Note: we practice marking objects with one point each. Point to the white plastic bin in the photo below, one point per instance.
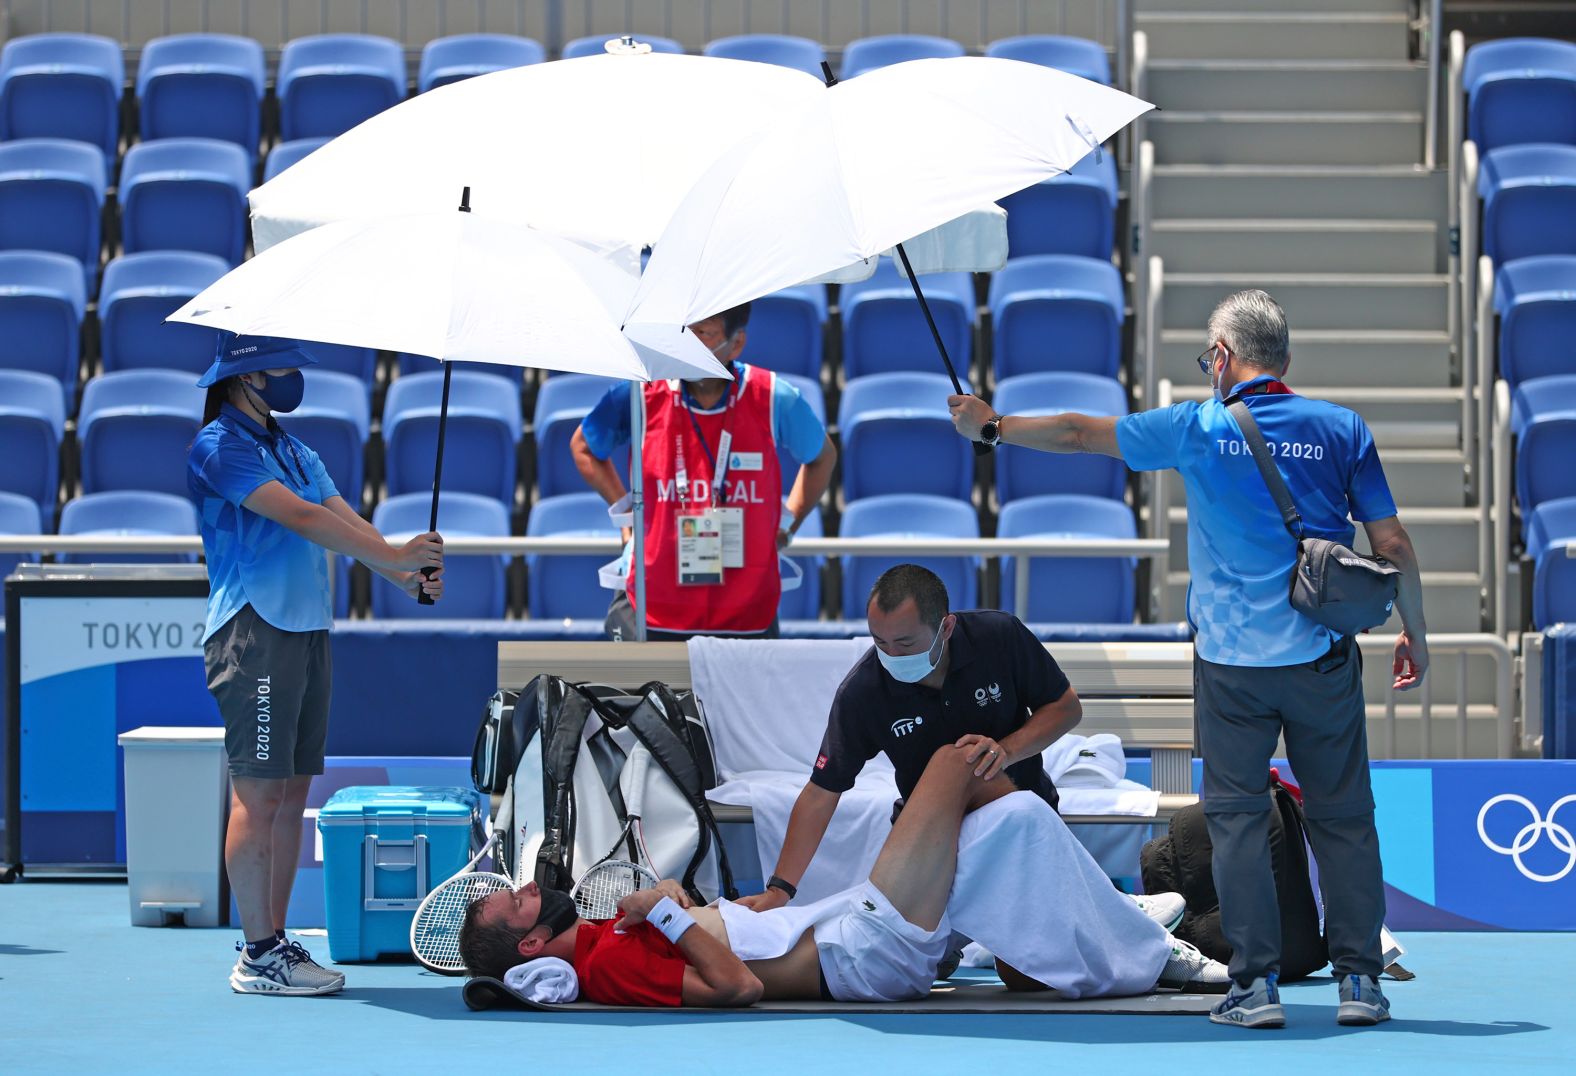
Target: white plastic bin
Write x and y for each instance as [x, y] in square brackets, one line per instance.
[177, 801]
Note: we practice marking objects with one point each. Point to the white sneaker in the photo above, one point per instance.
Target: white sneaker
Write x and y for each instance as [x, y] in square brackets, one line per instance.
[1192, 971]
[287, 970]
[1164, 908]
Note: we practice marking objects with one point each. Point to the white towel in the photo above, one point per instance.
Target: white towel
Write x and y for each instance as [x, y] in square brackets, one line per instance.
[546, 980]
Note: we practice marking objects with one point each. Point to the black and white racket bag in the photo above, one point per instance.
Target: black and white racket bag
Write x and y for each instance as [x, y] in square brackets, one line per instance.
[564, 747]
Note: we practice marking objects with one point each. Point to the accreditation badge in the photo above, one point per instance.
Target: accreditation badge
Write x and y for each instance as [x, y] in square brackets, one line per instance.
[732, 536]
[700, 548]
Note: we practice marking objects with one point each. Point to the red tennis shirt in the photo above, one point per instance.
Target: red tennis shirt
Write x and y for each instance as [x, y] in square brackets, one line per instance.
[636, 967]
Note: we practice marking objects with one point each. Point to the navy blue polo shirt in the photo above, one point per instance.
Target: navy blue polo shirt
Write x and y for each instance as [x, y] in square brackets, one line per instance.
[997, 675]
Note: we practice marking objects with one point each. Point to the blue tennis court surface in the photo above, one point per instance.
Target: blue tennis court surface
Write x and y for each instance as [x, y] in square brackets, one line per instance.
[80, 990]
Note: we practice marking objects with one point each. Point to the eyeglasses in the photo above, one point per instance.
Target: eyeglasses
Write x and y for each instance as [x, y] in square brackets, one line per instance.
[1205, 359]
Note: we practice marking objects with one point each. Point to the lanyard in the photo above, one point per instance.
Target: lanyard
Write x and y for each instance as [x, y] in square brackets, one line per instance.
[273, 449]
[719, 471]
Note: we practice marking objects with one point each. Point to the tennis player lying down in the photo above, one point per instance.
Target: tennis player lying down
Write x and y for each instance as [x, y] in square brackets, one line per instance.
[1010, 874]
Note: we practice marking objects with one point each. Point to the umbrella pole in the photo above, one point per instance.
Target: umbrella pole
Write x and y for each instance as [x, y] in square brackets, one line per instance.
[422, 597]
[935, 334]
[637, 503]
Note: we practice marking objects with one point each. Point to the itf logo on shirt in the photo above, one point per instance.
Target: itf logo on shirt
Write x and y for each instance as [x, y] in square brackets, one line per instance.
[905, 725]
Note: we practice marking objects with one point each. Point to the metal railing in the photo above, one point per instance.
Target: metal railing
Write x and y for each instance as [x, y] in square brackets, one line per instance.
[1160, 527]
[1477, 406]
[553, 22]
[1453, 120]
[1431, 22]
[1021, 550]
[1460, 645]
[1502, 498]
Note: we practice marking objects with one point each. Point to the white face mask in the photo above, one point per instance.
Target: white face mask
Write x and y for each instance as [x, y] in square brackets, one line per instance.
[912, 668]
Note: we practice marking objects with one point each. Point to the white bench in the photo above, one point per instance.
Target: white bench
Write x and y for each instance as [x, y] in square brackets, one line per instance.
[1142, 692]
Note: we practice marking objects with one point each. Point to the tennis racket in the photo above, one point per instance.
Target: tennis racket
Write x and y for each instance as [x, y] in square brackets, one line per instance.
[611, 879]
[435, 931]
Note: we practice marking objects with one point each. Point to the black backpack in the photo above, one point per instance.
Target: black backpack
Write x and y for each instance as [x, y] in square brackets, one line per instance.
[1180, 863]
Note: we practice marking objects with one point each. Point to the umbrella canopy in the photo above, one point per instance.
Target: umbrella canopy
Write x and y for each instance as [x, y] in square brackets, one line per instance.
[455, 287]
[872, 163]
[598, 146]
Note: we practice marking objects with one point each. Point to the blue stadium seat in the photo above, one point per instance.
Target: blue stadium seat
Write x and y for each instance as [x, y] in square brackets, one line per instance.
[42, 301]
[32, 423]
[1022, 472]
[335, 418]
[185, 194]
[561, 403]
[804, 602]
[129, 512]
[783, 50]
[463, 56]
[898, 438]
[1092, 590]
[1543, 421]
[473, 587]
[884, 329]
[483, 436]
[1535, 299]
[63, 86]
[1070, 213]
[868, 53]
[811, 391]
[1075, 55]
[357, 362]
[285, 154]
[567, 586]
[909, 516]
[1529, 201]
[1550, 529]
[1519, 90]
[135, 429]
[1056, 312]
[787, 331]
[18, 515]
[329, 83]
[201, 86]
[139, 292]
[52, 198]
[596, 45]
[424, 364]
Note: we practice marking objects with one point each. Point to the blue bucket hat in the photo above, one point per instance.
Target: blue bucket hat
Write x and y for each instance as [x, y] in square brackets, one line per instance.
[249, 354]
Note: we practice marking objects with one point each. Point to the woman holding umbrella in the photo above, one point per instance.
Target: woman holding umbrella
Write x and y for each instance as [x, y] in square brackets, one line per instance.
[269, 512]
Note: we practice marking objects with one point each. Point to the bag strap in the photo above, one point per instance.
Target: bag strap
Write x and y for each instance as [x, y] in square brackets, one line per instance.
[560, 748]
[1290, 517]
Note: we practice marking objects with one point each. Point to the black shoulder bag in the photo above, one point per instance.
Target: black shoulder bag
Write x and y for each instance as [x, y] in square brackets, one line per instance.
[1332, 585]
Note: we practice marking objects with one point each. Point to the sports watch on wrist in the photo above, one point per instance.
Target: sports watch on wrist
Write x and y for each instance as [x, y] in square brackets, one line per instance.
[990, 431]
[785, 886]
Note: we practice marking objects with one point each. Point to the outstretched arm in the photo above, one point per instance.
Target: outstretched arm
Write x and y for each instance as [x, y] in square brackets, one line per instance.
[812, 813]
[1070, 432]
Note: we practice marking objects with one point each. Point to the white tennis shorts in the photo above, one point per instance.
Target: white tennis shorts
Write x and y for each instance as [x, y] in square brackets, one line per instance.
[871, 953]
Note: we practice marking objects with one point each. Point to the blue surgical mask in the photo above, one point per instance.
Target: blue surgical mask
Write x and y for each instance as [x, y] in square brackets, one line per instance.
[912, 668]
[283, 392]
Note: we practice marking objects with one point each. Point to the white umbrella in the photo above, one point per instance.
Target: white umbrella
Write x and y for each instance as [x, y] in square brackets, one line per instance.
[872, 163]
[455, 287]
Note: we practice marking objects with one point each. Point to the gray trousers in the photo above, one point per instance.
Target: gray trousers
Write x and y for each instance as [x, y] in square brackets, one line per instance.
[1318, 708]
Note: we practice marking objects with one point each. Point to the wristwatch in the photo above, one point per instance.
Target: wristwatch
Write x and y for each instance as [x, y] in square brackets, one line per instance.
[787, 887]
[990, 431]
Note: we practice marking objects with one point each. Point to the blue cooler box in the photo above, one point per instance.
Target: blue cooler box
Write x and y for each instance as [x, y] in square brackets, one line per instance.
[385, 847]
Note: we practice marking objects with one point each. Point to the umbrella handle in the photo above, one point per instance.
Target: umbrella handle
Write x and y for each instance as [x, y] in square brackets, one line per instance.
[422, 597]
[980, 449]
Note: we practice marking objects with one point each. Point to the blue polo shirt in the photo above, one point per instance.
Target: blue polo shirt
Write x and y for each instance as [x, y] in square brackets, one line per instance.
[1239, 553]
[794, 424]
[251, 559]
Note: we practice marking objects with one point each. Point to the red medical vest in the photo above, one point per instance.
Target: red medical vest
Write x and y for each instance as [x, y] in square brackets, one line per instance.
[745, 603]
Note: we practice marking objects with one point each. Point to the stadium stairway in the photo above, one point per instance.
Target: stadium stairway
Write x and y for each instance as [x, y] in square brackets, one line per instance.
[1286, 157]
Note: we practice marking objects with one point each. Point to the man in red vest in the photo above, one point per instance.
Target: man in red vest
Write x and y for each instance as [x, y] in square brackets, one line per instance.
[715, 511]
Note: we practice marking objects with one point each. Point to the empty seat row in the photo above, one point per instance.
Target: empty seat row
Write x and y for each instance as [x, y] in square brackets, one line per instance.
[1520, 89]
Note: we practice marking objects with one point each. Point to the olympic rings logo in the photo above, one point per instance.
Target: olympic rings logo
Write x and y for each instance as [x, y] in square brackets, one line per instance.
[1559, 836]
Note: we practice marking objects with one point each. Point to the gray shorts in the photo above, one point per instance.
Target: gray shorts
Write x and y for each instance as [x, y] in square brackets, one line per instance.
[272, 687]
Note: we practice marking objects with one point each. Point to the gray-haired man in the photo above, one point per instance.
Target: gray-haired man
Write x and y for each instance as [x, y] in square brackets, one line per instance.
[1261, 669]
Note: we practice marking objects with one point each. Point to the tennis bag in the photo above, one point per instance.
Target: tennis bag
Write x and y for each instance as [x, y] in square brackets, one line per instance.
[570, 781]
[1180, 863]
[1333, 584]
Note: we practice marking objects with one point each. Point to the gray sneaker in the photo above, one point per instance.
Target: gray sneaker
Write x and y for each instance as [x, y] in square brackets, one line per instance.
[1192, 971]
[287, 970]
[1164, 908]
[1257, 1005]
[1363, 1004]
